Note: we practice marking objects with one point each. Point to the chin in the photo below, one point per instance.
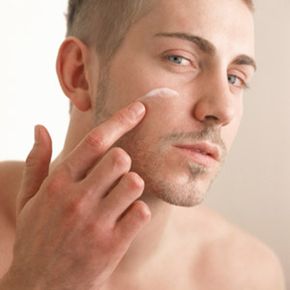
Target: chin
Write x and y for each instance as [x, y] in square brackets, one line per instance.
[183, 199]
[178, 194]
[181, 185]
[176, 183]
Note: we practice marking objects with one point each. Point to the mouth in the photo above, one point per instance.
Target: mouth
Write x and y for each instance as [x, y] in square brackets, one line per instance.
[205, 154]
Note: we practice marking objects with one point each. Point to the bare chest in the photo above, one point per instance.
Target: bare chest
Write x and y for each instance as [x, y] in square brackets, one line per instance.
[177, 272]
[182, 278]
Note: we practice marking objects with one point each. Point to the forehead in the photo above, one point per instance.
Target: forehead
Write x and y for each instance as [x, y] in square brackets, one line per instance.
[227, 24]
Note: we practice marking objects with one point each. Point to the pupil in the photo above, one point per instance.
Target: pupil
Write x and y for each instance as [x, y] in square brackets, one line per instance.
[232, 79]
[176, 59]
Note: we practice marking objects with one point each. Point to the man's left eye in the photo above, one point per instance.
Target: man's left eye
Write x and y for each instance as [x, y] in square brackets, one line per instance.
[177, 59]
[236, 81]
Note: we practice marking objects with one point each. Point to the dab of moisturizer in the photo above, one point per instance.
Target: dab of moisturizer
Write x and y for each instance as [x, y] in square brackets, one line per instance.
[160, 93]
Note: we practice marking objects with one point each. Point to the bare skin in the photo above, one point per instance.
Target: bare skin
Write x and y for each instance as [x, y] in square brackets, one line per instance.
[215, 255]
[95, 218]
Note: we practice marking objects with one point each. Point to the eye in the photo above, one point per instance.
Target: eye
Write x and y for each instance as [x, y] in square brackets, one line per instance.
[237, 81]
[179, 60]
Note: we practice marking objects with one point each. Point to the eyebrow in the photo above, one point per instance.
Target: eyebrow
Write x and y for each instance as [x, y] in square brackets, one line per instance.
[245, 60]
[207, 47]
[203, 44]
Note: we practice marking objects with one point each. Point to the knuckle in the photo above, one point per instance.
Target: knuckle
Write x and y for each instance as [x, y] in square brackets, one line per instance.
[96, 141]
[123, 119]
[120, 158]
[75, 208]
[55, 185]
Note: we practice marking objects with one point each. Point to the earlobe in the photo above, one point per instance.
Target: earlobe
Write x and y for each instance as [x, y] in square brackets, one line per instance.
[73, 72]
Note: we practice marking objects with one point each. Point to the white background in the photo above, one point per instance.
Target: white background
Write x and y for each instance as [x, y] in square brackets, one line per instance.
[31, 32]
[254, 188]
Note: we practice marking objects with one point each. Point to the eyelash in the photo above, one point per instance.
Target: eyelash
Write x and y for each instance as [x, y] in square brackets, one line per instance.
[176, 57]
[244, 85]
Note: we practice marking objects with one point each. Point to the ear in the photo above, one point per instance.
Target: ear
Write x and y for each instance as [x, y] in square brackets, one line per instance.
[73, 72]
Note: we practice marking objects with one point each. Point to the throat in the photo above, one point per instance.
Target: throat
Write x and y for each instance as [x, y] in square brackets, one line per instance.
[153, 242]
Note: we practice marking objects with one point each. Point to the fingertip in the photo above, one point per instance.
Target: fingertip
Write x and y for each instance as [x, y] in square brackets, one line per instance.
[139, 212]
[135, 112]
[137, 108]
[145, 211]
[42, 135]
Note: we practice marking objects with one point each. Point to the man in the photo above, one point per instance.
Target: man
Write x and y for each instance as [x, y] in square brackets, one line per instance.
[120, 206]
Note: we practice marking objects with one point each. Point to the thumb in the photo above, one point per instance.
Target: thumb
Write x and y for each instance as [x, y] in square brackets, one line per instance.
[36, 166]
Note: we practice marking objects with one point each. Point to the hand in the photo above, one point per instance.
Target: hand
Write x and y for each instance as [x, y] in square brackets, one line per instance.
[75, 224]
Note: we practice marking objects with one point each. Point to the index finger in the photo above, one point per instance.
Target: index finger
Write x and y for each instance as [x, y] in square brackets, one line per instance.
[101, 138]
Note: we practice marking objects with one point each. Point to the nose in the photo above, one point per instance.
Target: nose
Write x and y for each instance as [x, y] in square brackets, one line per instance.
[216, 103]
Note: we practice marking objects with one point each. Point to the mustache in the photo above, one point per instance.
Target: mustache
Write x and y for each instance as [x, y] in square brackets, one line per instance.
[208, 134]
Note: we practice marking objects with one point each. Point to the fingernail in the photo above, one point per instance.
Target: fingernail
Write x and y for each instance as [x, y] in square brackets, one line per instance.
[137, 108]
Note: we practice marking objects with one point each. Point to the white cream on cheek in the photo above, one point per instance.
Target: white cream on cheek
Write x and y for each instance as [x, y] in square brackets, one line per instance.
[158, 93]
[159, 103]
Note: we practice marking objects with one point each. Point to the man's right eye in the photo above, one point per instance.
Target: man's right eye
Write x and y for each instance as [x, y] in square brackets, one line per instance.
[178, 60]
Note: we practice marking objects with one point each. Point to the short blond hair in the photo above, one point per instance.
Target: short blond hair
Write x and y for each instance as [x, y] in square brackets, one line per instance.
[104, 23]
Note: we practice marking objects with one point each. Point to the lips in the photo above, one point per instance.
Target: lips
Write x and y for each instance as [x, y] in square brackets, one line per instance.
[204, 153]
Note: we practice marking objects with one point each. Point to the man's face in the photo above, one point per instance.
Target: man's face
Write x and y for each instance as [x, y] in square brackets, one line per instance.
[203, 50]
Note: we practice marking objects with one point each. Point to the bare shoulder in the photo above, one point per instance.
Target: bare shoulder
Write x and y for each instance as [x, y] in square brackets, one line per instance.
[10, 174]
[238, 259]
[261, 265]
[10, 178]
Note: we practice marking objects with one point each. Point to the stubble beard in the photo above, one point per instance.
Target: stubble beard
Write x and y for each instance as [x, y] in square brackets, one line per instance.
[150, 164]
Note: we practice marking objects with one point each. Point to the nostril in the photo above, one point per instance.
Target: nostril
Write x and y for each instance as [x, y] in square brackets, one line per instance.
[212, 118]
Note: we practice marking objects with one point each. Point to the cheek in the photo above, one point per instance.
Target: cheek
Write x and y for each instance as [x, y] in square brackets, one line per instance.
[229, 132]
[137, 78]
[159, 113]
[162, 118]
[166, 107]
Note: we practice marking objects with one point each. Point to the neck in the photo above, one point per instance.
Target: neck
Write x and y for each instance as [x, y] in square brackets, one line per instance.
[153, 239]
